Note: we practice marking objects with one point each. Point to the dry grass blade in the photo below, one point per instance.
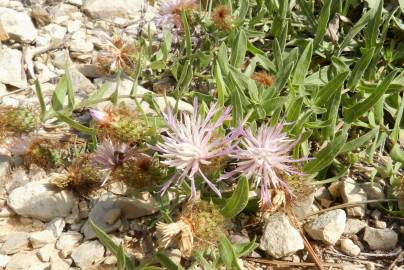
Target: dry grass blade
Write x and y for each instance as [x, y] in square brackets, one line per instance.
[277, 263]
[397, 259]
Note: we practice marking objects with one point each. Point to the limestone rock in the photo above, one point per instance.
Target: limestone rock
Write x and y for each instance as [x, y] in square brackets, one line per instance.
[352, 192]
[328, 227]
[42, 238]
[18, 25]
[15, 242]
[349, 248]
[280, 238]
[100, 9]
[353, 226]
[68, 241]
[25, 261]
[41, 201]
[380, 239]
[88, 253]
[11, 67]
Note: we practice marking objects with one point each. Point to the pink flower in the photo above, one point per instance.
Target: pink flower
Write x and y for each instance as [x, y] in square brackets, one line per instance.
[263, 157]
[109, 155]
[100, 116]
[191, 143]
[170, 12]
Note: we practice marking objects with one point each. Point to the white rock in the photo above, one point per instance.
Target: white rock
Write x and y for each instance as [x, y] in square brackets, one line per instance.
[42, 238]
[56, 226]
[15, 242]
[68, 241]
[75, 2]
[58, 263]
[88, 253]
[374, 191]
[4, 168]
[100, 9]
[25, 261]
[349, 248]
[18, 25]
[110, 260]
[81, 45]
[55, 31]
[323, 196]
[41, 201]
[379, 224]
[353, 226]
[11, 67]
[380, 239]
[351, 192]
[73, 26]
[328, 227]
[280, 238]
[302, 207]
[45, 252]
[4, 259]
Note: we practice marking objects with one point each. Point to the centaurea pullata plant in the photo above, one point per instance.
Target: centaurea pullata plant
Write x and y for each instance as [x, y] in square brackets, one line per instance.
[265, 157]
[192, 143]
[169, 12]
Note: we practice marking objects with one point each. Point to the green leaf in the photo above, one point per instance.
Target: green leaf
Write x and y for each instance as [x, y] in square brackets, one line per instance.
[94, 98]
[352, 113]
[282, 77]
[358, 142]
[373, 26]
[238, 200]
[397, 154]
[222, 59]
[360, 68]
[39, 94]
[327, 91]
[245, 248]
[227, 253]
[121, 261]
[322, 23]
[303, 64]
[188, 47]
[70, 91]
[59, 95]
[396, 130]
[167, 262]
[359, 25]
[239, 49]
[401, 2]
[326, 156]
[220, 85]
[75, 125]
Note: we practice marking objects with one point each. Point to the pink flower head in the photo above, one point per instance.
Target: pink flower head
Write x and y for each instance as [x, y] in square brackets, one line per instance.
[100, 116]
[170, 12]
[110, 155]
[191, 143]
[262, 157]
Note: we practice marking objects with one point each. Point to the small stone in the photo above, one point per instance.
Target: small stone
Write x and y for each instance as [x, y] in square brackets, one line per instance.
[56, 226]
[380, 224]
[81, 45]
[112, 215]
[40, 239]
[110, 260]
[6, 211]
[376, 214]
[41, 201]
[370, 266]
[88, 253]
[55, 31]
[14, 243]
[349, 248]
[73, 26]
[374, 191]
[100, 9]
[302, 206]
[25, 261]
[45, 252]
[334, 189]
[323, 196]
[280, 238]
[58, 263]
[380, 239]
[68, 241]
[11, 67]
[18, 25]
[353, 226]
[4, 259]
[351, 192]
[328, 227]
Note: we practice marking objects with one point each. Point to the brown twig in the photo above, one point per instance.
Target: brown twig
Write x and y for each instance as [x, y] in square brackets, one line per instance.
[397, 259]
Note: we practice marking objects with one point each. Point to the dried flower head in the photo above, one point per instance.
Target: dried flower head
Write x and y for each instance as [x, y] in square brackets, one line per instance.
[110, 155]
[192, 143]
[119, 55]
[81, 176]
[199, 225]
[221, 17]
[122, 124]
[17, 120]
[44, 152]
[263, 78]
[265, 157]
[169, 12]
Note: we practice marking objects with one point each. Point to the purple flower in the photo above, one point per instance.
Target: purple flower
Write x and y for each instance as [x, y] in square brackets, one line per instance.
[100, 116]
[263, 157]
[169, 12]
[192, 143]
[109, 155]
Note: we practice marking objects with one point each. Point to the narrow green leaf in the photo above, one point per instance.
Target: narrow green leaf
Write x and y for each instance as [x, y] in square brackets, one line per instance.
[360, 68]
[303, 64]
[244, 249]
[322, 23]
[327, 91]
[358, 142]
[352, 113]
[94, 98]
[359, 25]
[222, 59]
[185, 25]
[396, 130]
[59, 95]
[104, 238]
[326, 156]
[121, 261]
[220, 85]
[238, 200]
[239, 49]
[401, 2]
[282, 77]
[39, 94]
[373, 26]
[227, 253]
[75, 125]
[397, 154]
[167, 262]
[70, 90]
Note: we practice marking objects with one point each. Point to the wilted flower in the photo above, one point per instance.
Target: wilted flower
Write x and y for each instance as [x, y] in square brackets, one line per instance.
[118, 55]
[265, 157]
[199, 225]
[109, 155]
[221, 17]
[263, 78]
[170, 12]
[191, 144]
